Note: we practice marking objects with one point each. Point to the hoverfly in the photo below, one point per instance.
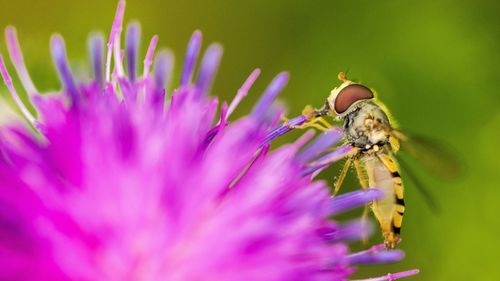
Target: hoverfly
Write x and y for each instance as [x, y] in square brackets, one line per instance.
[374, 140]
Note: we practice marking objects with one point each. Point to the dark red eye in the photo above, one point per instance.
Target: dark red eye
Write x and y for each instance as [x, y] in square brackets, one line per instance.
[351, 94]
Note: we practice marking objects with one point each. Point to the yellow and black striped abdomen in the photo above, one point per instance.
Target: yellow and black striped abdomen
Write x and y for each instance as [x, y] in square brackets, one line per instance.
[383, 173]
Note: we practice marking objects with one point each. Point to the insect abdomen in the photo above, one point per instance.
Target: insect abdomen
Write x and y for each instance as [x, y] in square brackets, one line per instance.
[383, 174]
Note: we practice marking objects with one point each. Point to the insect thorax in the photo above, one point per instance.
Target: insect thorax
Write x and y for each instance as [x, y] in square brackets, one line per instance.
[367, 126]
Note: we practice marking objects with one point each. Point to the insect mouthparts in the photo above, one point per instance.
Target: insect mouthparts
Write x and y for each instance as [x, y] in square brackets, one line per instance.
[323, 111]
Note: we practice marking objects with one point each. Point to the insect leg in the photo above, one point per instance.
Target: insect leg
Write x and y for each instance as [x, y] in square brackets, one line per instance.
[364, 184]
[342, 175]
[313, 120]
[324, 122]
[318, 123]
[361, 175]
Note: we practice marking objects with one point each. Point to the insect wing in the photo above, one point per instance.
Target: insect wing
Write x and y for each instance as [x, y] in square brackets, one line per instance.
[417, 183]
[436, 158]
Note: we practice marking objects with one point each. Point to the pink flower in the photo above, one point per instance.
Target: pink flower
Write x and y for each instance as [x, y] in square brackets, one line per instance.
[119, 179]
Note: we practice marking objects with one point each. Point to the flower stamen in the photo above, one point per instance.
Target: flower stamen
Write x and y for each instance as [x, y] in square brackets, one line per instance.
[351, 200]
[162, 72]
[192, 52]
[96, 49]
[375, 257]
[261, 109]
[208, 68]
[148, 59]
[16, 56]
[115, 33]
[132, 46]
[15, 96]
[61, 62]
[243, 91]
[392, 276]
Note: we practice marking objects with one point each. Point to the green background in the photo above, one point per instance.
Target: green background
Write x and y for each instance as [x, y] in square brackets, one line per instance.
[435, 64]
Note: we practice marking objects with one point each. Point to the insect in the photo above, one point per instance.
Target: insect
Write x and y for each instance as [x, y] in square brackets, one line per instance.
[374, 142]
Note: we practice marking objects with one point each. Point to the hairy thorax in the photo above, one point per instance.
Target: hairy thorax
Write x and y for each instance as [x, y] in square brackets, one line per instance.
[367, 127]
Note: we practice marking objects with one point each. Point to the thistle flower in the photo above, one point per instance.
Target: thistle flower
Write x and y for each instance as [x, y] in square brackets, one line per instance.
[119, 179]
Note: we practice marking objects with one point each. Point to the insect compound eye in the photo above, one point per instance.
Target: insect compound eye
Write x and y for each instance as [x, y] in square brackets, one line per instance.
[351, 94]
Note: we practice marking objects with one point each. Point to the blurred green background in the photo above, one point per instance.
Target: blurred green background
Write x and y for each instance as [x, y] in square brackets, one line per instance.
[435, 64]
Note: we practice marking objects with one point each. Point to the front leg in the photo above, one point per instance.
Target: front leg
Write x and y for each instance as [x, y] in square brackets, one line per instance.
[314, 120]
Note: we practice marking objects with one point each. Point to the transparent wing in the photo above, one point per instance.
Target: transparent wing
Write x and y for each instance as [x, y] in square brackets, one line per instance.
[417, 183]
[437, 158]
